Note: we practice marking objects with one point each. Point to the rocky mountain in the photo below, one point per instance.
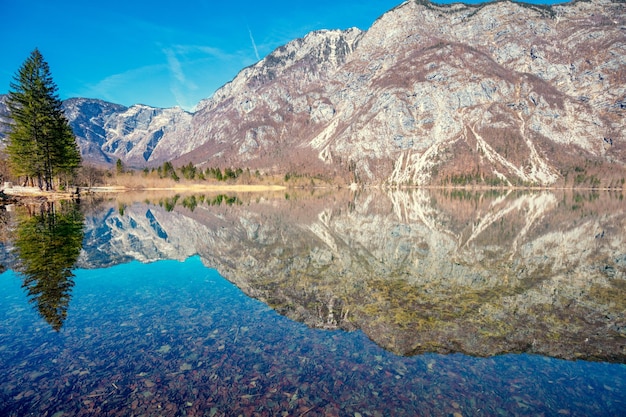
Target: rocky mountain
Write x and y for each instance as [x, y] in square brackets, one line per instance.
[417, 271]
[4, 120]
[505, 92]
[106, 132]
[499, 93]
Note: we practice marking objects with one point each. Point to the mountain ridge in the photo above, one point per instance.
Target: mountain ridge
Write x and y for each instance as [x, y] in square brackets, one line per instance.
[498, 93]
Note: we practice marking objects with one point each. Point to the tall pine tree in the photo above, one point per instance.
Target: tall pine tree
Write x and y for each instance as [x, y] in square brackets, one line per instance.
[41, 143]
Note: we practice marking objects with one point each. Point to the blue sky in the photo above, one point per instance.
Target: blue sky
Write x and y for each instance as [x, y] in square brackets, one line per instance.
[161, 53]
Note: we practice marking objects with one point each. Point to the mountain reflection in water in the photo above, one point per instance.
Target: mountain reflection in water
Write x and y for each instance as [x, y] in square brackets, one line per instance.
[416, 271]
[481, 273]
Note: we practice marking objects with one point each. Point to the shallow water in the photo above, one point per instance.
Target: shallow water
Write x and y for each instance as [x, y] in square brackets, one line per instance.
[171, 338]
[175, 338]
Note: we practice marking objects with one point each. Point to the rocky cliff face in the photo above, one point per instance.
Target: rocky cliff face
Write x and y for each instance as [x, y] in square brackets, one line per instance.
[508, 93]
[499, 93]
[89, 119]
[106, 132]
[481, 274]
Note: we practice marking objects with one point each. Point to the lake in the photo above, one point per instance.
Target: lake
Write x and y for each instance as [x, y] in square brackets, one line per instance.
[315, 303]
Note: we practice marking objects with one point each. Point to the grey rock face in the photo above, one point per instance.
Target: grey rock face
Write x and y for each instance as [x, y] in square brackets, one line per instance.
[88, 119]
[431, 92]
[106, 132]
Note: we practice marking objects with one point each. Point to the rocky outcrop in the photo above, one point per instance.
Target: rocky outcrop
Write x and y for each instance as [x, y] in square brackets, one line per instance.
[482, 274]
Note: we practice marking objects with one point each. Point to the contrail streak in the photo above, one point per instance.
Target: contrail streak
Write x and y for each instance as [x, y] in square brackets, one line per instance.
[256, 51]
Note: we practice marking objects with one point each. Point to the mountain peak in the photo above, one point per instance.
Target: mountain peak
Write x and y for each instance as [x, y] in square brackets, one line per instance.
[500, 93]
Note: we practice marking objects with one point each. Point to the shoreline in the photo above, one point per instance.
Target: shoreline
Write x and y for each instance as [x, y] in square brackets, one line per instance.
[244, 188]
[15, 194]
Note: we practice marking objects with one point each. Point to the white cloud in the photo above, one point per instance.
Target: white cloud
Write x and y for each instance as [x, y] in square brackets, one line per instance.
[186, 74]
[109, 88]
[174, 65]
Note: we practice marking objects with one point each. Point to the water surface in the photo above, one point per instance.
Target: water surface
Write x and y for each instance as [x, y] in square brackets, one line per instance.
[390, 304]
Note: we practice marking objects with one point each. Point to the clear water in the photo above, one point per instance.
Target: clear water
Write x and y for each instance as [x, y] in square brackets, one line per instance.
[338, 304]
[176, 339]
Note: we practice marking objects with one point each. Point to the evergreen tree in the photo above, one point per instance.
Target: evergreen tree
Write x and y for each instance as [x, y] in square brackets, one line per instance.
[66, 155]
[168, 170]
[119, 166]
[189, 171]
[41, 144]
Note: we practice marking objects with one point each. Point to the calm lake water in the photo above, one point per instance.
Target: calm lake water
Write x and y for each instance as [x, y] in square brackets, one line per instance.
[317, 304]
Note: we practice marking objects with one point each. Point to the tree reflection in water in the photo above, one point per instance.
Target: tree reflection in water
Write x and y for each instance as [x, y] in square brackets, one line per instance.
[48, 241]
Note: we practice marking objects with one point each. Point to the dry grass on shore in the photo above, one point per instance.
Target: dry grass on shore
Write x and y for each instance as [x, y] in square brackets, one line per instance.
[242, 188]
[138, 182]
[128, 183]
[36, 192]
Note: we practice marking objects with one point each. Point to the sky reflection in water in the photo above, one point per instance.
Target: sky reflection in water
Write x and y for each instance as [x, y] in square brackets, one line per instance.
[171, 338]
